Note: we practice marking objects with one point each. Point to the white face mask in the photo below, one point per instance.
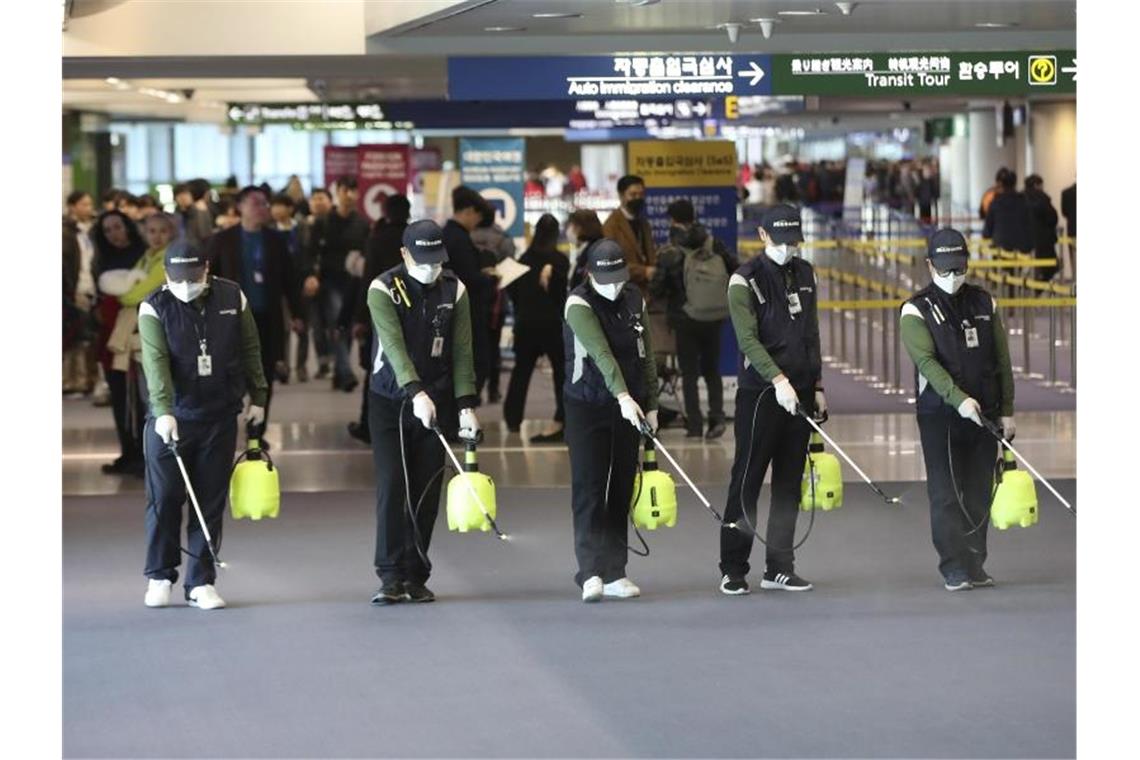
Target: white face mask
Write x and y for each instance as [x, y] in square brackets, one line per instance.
[949, 283]
[609, 292]
[186, 291]
[781, 254]
[425, 274]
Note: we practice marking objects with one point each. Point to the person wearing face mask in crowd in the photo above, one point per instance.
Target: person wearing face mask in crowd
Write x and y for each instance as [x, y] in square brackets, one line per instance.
[422, 379]
[582, 228]
[629, 228]
[772, 304]
[201, 355]
[609, 392]
[953, 333]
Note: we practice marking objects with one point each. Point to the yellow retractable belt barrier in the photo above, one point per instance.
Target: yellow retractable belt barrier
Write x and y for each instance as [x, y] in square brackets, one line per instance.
[888, 303]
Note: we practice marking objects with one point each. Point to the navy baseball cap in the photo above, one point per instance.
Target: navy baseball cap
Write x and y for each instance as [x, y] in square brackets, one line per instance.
[782, 224]
[947, 250]
[424, 241]
[183, 263]
[605, 262]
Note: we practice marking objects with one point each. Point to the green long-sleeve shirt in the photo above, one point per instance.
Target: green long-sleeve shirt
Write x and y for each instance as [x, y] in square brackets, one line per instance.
[152, 263]
[919, 345]
[588, 330]
[390, 333]
[746, 325]
[156, 359]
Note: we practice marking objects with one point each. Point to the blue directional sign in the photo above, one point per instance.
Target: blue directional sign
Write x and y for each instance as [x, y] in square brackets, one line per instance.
[640, 76]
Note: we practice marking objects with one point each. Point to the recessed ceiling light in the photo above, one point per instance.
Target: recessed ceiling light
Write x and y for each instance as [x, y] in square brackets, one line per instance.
[811, 12]
[995, 24]
[504, 29]
[637, 3]
[556, 15]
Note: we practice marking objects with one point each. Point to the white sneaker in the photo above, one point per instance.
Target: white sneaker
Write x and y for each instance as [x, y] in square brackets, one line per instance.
[592, 589]
[157, 593]
[205, 598]
[622, 588]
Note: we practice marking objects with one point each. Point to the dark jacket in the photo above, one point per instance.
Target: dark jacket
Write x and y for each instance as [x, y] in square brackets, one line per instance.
[537, 309]
[579, 275]
[669, 280]
[1044, 218]
[1069, 208]
[1008, 223]
[382, 253]
[332, 237]
[223, 250]
[71, 258]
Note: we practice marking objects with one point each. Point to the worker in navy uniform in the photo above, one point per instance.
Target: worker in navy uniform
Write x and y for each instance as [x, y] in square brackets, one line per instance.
[423, 377]
[610, 391]
[953, 333]
[201, 355]
[772, 303]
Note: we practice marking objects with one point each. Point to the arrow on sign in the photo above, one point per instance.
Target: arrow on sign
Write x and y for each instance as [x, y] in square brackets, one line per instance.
[1071, 69]
[701, 109]
[754, 71]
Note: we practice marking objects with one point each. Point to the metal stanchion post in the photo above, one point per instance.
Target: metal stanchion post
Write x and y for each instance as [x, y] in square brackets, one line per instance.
[842, 326]
[1053, 346]
[1073, 345]
[1026, 320]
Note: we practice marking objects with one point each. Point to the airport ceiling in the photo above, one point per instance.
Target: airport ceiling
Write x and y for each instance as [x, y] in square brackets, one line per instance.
[300, 50]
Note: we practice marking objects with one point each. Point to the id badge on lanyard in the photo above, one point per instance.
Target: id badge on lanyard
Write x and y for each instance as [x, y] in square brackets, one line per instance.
[640, 338]
[437, 347]
[971, 335]
[205, 361]
[794, 305]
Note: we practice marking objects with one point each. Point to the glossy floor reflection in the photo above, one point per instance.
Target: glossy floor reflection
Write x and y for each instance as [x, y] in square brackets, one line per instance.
[312, 446]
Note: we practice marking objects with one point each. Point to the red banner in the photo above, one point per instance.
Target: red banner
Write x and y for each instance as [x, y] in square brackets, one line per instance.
[381, 170]
[340, 162]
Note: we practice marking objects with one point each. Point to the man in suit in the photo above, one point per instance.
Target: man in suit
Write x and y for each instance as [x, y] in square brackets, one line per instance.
[257, 258]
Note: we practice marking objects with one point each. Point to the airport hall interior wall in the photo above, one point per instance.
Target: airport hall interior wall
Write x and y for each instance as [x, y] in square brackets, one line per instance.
[1053, 130]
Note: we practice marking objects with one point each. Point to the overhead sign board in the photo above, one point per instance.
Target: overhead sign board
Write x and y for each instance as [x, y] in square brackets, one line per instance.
[641, 76]
[495, 167]
[701, 76]
[926, 73]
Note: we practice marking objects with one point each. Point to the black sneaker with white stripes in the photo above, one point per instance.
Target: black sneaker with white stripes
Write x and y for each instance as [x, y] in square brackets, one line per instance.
[784, 582]
[734, 586]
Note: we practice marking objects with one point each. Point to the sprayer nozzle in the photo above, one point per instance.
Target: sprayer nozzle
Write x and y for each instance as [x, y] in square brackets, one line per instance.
[222, 565]
[894, 500]
[504, 537]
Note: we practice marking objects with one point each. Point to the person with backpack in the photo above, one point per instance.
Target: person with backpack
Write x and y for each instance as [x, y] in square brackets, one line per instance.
[692, 277]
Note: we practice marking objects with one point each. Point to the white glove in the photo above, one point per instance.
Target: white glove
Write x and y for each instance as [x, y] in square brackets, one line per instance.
[651, 418]
[354, 264]
[820, 404]
[255, 416]
[785, 394]
[424, 409]
[630, 410]
[1008, 427]
[468, 425]
[166, 428]
[971, 410]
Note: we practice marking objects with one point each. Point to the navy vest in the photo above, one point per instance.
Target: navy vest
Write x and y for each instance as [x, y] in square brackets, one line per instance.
[974, 369]
[791, 340]
[621, 322]
[429, 316]
[214, 320]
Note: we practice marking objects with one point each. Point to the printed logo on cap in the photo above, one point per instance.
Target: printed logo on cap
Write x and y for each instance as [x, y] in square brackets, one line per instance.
[610, 262]
[183, 260]
[429, 242]
[948, 249]
[786, 223]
